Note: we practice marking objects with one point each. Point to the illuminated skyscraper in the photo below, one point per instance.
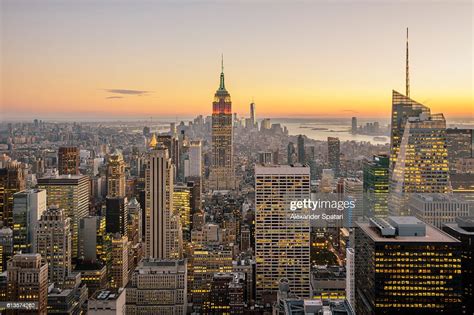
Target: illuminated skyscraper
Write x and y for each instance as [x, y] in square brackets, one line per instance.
[418, 150]
[402, 108]
[116, 175]
[376, 182]
[12, 180]
[182, 207]
[70, 193]
[422, 161]
[163, 229]
[222, 166]
[405, 266]
[68, 161]
[118, 272]
[463, 230]
[334, 152]
[282, 244]
[53, 243]
[28, 206]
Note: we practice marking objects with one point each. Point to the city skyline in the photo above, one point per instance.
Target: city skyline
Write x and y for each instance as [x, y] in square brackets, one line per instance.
[108, 65]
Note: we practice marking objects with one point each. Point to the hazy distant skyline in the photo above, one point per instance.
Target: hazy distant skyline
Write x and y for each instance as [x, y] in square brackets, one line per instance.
[295, 59]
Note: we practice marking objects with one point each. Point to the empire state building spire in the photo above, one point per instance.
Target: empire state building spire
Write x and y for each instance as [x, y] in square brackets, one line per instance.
[222, 85]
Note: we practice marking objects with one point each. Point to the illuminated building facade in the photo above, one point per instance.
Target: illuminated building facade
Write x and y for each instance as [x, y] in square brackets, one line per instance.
[204, 262]
[376, 184]
[403, 265]
[28, 206]
[463, 230]
[6, 247]
[53, 243]
[281, 242]
[28, 282]
[222, 164]
[157, 287]
[70, 193]
[422, 161]
[182, 207]
[12, 180]
[118, 272]
[227, 293]
[116, 175]
[402, 108]
[93, 275]
[68, 161]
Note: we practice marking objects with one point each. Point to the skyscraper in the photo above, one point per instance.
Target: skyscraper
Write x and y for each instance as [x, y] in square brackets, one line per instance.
[422, 161]
[253, 117]
[354, 125]
[70, 193]
[12, 180]
[163, 230]
[403, 265]
[68, 161]
[171, 142]
[115, 175]
[116, 215]
[6, 247]
[463, 230]
[53, 243]
[28, 282]
[118, 271]
[334, 152]
[28, 206]
[282, 244]
[193, 168]
[376, 183]
[182, 207]
[291, 153]
[402, 108]
[301, 151]
[222, 165]
[460, 145]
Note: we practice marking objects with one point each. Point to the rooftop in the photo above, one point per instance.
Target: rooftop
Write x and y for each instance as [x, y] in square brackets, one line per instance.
[107, 295]
[281, 170]
[407, 224]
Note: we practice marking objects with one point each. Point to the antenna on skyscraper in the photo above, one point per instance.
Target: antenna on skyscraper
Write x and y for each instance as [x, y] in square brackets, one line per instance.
[222, 63]
[407, 73]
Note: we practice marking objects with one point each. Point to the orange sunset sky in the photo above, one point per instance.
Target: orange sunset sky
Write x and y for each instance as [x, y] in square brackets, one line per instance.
[295, 59]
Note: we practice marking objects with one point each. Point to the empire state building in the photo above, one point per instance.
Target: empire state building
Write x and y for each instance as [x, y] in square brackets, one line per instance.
[222, 165]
